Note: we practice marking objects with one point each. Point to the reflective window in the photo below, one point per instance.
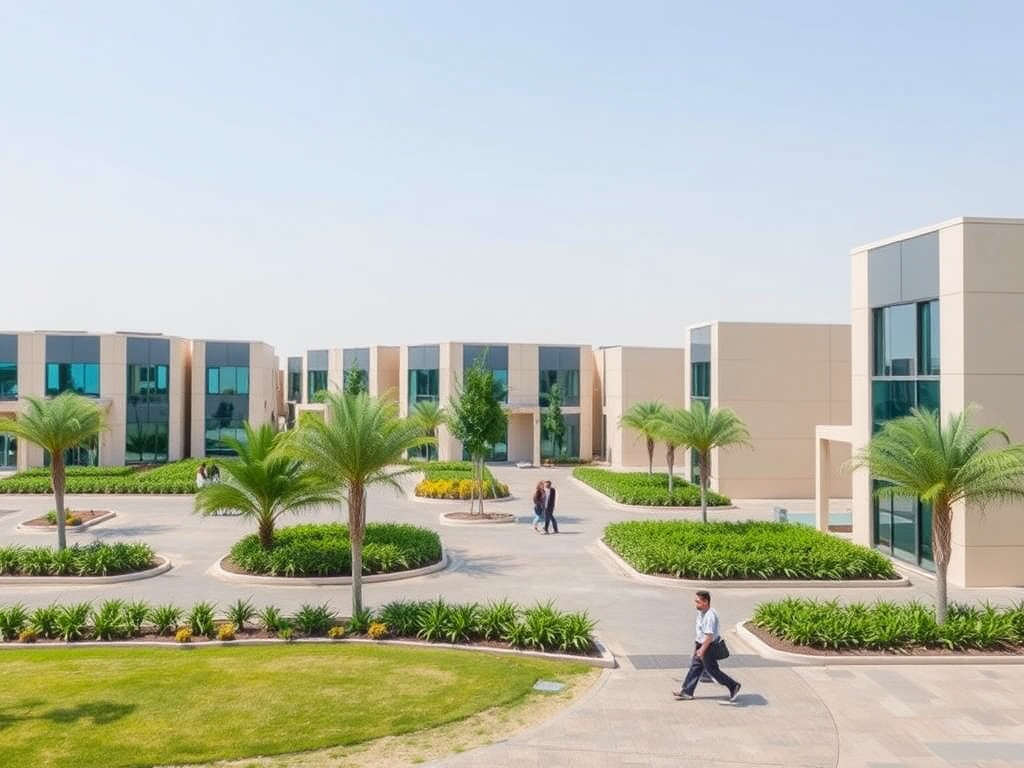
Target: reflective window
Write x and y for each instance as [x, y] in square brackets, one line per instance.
[895, 340]
[570, 440]
[225, 417]
[317, 382]
[928, 338]
[83, 378]
[559, 365]
[85, 455]
[8, 451]
[8, 381]
[903, 529]
[700, 381]
[227, 380]
[499, 451]
[424, 385]
[148, 414]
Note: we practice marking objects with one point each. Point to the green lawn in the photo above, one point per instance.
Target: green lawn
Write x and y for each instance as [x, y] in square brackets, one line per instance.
[118, 707]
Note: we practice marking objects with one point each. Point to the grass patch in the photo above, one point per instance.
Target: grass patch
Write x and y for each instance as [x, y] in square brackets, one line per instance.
[454, 480]
[886, 626]
[325, 550]
[646, 490]
[747, 550]
[112, 708]
[175, 477]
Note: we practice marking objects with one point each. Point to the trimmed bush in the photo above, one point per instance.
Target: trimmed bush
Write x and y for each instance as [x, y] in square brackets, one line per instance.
[173, 478]
[886, 626]
[96, 559]
[747, 550]
[325, 550]
[646, 490]
[454, 480]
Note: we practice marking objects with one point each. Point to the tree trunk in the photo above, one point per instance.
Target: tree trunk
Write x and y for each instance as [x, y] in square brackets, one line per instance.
[704, 473]
[941, 545]
[266, 532]
[57, 478]
[650, 457]
[356, 526]
[481, 484]
[670, 459]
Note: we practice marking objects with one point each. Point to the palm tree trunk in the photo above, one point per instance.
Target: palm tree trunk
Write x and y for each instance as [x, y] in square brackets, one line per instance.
[670, 459]
[266, 532]
[704, 487]
[650, 457]
[356, 526]
[57, 478]
[941, 545]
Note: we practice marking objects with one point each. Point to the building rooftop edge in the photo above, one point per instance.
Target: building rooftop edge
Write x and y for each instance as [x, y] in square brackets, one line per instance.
[932, 228]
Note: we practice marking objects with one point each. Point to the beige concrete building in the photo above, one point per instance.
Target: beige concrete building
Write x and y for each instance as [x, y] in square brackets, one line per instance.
[935, 315]
[782, 380]
[433, 372]
[232, 382]
[626, 376]
[141, 381]
[327, 368]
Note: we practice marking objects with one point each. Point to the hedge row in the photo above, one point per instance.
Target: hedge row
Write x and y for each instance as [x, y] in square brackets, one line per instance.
[96, 559]
[175, 478]
[646, 490]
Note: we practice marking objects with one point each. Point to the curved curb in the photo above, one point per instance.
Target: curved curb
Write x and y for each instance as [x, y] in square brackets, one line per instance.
[69, 528]
[761, 648]
[644, 508]
[443, 519]
[218, 571]
[668, 581]
[156, 570]
[427, 500]
[605, 660]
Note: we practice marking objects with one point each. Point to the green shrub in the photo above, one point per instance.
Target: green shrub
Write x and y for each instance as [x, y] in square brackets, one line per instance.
[200, 619]
[402, 616]
[165, 618]
[109, 621]
[73, 621]
[454, 480]
[314, 620]
[272, 619]
[496, 618]
[886, 626]
[70, 518]
[12, 620]
[325, 550]
[359, 622]
[96, 559]
[136, 612]
[44, 620]
[646, 490]
[240, 613]
[746, 550]
[174, 478]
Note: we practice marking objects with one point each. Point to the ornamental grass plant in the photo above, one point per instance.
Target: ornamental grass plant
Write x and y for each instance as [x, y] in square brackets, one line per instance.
[96, 559]
[649, 490]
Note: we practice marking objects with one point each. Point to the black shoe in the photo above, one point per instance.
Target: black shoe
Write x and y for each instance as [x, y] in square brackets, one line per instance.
[682, 696]
[734, 692]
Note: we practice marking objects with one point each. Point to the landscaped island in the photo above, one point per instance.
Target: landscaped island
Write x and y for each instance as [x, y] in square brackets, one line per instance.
[746, 550]
[799, 624]
[646, 490]
[176, 477]
[454, 480]
[96, 559]
[325, 550]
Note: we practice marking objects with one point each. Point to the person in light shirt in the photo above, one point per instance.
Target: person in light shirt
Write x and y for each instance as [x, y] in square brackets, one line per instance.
[703, 662]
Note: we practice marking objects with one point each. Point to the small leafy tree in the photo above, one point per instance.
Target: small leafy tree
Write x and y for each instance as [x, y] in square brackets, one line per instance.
[263, 483]
[355, 381]
[915, 456]
[670, 427]
[643, 417]
[478, 419]
[57, 425]
[554, 421]
[430, 416]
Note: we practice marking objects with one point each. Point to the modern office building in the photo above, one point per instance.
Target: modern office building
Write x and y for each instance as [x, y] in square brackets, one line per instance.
[232, 382]
[935, 312]
[327, 369]
[141, 381]
[782, 380]
[626, 376]
[435, 372]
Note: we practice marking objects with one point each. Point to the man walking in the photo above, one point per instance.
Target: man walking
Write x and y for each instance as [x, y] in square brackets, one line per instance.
[549, 507]
[704, 661]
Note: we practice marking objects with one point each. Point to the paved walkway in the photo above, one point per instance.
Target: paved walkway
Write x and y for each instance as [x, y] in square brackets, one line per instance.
[785, 716]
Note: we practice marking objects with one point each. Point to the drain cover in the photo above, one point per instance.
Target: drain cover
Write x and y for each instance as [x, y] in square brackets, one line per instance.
[548, 686]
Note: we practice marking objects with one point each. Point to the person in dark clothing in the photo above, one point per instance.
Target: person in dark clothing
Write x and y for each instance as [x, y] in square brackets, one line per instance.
[549, 507]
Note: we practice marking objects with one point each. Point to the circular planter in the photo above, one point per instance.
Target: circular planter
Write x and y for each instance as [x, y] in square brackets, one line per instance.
[220, 572]
[106, 515]
[428, 500]
[163, 565]
[489, 518]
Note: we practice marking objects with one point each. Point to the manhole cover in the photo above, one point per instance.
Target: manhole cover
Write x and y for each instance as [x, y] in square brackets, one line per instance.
[548, 687]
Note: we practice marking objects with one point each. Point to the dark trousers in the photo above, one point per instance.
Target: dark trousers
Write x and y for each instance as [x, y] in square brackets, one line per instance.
[549, 519]
[698, 666]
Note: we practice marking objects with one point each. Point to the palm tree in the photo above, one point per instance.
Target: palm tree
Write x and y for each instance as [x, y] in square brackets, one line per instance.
[915, 456]
[356, 446]
[263, 483]
[429, 415]
[703, 428]
[670, 428]
[57, 425]
[642, 417]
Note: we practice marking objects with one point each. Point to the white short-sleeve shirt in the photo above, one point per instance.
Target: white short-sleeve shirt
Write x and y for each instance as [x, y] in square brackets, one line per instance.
[707, 624]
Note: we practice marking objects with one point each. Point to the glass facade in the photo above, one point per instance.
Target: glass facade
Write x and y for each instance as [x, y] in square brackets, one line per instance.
[317, 383]
[424, 364]
[73, 365]
[570, 440]
[559, 365]
[358, 358]
[148, 400]
[700, 381]
[8, 451]
[906, 366]
[499, 451]
[85, 455]
[495, 359]
[227, 395]
[294, 382]
[316, 373]
[8, 367]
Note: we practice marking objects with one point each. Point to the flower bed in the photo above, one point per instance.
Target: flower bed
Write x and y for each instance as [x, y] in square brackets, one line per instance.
[454, 480]
[646, 490]
[541, 627]
[96, 559]
[747, 550]
[72, 519]
[325, 550]
[176, 477]
[825, 625]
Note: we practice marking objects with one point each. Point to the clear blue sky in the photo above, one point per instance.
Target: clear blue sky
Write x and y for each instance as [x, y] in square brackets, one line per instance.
[326, 174]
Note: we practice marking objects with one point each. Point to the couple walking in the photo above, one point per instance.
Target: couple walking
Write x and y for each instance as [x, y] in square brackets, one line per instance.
[544, 506]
